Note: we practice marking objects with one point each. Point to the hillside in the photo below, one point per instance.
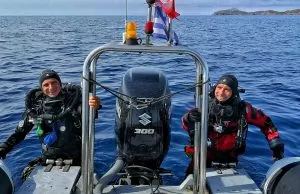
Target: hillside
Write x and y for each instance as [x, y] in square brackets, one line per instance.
[234, 11]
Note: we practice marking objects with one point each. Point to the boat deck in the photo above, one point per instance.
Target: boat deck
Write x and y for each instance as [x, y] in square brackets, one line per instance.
[230, 180]
[143, 189]
[219, 181]
[55, 181]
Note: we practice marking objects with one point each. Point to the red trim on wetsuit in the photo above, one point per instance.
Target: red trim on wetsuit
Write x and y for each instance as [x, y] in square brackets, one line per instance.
[226, 142]
[256, 117]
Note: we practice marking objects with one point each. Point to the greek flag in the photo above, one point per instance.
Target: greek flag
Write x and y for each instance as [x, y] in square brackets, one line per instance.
[160, 26]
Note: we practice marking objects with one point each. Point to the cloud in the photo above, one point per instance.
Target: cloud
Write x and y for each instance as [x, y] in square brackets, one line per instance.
[135, 7]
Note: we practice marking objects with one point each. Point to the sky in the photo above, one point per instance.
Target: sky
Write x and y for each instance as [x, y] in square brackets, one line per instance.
[135, 7]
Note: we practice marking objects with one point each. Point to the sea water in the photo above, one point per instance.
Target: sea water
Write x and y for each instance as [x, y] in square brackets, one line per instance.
[262, 51]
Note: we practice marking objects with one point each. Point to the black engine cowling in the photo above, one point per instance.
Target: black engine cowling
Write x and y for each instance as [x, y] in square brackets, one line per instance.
[143, 133]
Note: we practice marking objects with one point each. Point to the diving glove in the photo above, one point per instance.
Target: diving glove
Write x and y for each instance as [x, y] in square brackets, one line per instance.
[278, 153]
[193, 116]
[277, 147]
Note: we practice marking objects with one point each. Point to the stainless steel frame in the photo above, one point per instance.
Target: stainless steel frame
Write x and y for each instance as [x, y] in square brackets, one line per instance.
[88, 117]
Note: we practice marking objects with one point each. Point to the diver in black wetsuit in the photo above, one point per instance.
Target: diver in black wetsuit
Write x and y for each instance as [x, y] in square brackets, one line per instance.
[56, 111]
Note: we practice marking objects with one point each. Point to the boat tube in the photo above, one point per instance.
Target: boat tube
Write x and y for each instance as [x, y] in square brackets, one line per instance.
[283, 177]
[6, 183]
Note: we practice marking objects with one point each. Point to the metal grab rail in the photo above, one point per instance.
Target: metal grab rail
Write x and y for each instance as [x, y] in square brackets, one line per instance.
[88, 118]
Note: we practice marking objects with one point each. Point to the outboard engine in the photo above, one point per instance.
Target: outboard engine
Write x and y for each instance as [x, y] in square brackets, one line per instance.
[283, 177]
[6, 183]
[142, 125]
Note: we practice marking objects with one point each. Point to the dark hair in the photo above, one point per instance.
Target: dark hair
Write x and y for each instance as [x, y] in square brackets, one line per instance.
[47, 74]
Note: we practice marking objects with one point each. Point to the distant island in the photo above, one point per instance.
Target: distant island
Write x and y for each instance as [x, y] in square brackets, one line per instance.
[234, 11]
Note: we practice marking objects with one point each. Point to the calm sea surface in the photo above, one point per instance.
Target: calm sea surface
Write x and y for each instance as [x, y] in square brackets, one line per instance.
[262, 51]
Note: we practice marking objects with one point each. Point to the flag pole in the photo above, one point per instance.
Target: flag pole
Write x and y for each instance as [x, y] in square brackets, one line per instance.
[149, 18]
[170, 41]
[149, 23]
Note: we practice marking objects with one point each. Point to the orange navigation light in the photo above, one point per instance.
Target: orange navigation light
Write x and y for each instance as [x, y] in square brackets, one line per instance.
[131, 38]
[131, 30]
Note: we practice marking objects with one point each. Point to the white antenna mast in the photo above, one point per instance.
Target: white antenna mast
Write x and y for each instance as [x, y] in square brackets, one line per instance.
[126, 14]
[124, 33]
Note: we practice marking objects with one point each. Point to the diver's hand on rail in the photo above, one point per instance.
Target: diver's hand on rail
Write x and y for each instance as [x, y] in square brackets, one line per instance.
[94, 102]
[194, 116]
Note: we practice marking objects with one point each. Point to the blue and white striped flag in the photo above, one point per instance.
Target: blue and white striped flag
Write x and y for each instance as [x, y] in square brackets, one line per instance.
[160, 26]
